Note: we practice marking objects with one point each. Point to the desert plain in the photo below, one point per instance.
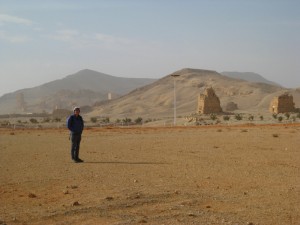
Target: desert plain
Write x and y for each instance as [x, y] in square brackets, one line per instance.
[219, 174]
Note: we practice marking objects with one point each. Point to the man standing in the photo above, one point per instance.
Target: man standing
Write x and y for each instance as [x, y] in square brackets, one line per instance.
[75, 125]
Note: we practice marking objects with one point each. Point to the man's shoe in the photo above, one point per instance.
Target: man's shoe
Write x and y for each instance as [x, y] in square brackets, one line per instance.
[79, 160]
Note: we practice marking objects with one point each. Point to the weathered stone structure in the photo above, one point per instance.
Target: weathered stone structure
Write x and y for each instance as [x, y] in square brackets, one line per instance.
[209, 102]
[282, 104]
[231, 106]
[21, 104]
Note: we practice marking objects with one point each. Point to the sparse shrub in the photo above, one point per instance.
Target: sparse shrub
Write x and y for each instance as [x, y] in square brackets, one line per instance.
[138, 120]
[287, 115]
[213, 116]
[93, 119]
[298, 115]
[251, 118]
[238, 117]
[261, 118]
[57, 119]
[126, 120]
[280, 118]
[148, 120]
[46, 120]
[32, 120]
[199, 119]
[105, 120]
[294, 118]
[274, 116]
[19, 121]
[5, 123]
[118, 121]
[226, 118]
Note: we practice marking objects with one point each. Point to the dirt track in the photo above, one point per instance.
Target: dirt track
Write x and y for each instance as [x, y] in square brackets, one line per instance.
[203, 175]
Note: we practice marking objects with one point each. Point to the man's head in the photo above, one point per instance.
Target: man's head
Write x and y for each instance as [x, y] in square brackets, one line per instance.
[76, 110]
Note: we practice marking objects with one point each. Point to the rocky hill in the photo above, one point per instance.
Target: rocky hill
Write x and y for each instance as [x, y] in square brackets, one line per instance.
[249, 76]
[85, 87]
[146, 98]
[156, 100]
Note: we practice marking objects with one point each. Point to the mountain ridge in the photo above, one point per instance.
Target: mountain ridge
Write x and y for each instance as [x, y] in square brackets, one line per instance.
[249, 76]
[60, 93]
[156, 99]
[141, 96]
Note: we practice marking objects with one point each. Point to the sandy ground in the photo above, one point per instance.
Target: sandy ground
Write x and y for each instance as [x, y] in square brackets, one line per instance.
[182, 175]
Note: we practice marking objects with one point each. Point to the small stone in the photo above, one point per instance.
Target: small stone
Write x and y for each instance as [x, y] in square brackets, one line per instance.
[73, 186]
[75, 203]
[31, 195]
[142, 221]
[65, 192]
[137, 196]
[109, 198]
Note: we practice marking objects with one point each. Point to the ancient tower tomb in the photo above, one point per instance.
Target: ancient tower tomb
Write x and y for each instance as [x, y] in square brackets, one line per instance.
[282, 104]
[209, 102]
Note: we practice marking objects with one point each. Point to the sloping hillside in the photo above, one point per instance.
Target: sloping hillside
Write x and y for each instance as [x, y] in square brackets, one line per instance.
[249, 76]
[156, 100]
[83, 88]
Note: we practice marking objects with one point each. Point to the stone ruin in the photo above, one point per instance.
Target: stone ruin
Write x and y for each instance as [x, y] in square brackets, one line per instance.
[282, 104]
[209, 102]
[21, 104]
[231, 106]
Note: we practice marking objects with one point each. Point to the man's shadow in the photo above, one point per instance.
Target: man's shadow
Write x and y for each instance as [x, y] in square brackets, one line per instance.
[124, 162]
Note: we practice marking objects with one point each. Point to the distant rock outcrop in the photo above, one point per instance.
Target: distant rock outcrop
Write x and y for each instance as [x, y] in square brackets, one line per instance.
[249, 76]
[231, 106]
[156, 100]
[85, 87]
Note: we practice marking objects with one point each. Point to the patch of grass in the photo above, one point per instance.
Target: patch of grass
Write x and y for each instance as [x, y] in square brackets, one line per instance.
[238, 117]
[226, 118]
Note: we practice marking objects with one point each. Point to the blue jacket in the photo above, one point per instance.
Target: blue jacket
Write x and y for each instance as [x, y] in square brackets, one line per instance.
[75, 124]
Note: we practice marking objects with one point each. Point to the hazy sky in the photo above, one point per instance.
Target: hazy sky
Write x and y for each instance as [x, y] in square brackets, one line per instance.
[41, 41]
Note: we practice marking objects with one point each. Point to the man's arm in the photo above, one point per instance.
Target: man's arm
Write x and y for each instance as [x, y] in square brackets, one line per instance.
[82, 123]
[69, 123]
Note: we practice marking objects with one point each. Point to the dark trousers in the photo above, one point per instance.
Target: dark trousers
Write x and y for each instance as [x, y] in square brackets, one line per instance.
[75, 138]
